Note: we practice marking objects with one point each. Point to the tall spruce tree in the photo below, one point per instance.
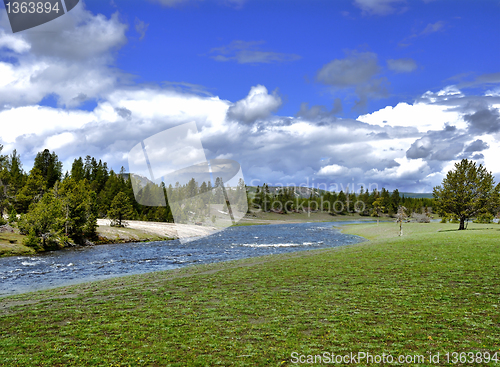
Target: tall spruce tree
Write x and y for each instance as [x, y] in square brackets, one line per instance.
[77, 170]
[33, 190]
[395, 199]
[79, 210]
[4, 178]
[49, 166]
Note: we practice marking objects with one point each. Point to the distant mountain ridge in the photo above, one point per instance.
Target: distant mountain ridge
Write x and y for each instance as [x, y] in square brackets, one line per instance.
[415, 195]
[305, 192]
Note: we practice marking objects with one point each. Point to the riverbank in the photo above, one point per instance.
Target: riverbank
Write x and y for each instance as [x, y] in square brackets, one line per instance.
[11, 244]
[433, 290]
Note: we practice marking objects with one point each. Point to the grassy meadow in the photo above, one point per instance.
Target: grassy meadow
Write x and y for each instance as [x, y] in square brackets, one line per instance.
[12, 244]
[435, 289]
[267, 217]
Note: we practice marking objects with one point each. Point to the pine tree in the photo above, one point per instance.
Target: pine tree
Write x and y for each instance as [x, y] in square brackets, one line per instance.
[49, 166]
[378, 207]
[79, 209]
[192, 188]
[4, 179]
[120, 210]
[112, 187]
[395, 199]
[386, 200]
[77, 170]
[3, 158]
[12, 215]
[32, 191]
[17, 177]
[203, 187]
[467, 191]
[87, 168]
[100, 177]
[42, 222]
[341, 203]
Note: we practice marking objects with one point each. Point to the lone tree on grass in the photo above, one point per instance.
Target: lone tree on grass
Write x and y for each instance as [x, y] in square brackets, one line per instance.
[120, 210]
[378, 208]
[466, 192]
[401, 217]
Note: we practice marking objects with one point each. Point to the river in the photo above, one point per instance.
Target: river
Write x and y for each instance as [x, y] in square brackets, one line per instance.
[19, 274]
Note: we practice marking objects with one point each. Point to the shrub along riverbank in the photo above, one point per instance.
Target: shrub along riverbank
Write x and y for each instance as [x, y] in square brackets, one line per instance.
[11, 243]
[433, 290]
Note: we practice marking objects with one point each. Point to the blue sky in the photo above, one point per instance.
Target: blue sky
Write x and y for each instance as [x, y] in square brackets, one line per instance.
[391, 92]
[181, 42]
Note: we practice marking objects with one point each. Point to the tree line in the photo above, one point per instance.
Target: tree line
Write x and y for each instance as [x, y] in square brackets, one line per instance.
[54, 210]
[286, 200]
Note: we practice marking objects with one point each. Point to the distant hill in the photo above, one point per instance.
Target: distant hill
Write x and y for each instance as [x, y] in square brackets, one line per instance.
[141, 181]
[425, 195]
[305, 192]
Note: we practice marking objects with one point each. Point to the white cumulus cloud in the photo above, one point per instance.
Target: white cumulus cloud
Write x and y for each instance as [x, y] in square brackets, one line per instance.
[423, 116]
[259, 104]
[72, 63]
[333, 170]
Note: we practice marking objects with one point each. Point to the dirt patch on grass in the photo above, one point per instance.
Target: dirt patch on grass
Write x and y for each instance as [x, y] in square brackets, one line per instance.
[257, 321]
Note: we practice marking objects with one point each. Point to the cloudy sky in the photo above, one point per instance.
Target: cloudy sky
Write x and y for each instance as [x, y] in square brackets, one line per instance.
[385, 92]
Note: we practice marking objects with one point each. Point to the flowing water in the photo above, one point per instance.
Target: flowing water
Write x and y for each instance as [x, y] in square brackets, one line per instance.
[20, 274]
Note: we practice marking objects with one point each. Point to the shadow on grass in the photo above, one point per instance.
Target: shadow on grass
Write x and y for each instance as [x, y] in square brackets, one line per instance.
[469, 229]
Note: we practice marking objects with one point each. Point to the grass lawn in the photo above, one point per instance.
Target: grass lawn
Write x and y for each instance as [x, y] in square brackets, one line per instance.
[12, 244]
[263, 217]
[434, 290]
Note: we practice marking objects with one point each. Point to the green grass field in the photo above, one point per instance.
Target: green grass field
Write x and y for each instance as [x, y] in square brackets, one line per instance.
[433, 290]
[11, 244]
[269, 217]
